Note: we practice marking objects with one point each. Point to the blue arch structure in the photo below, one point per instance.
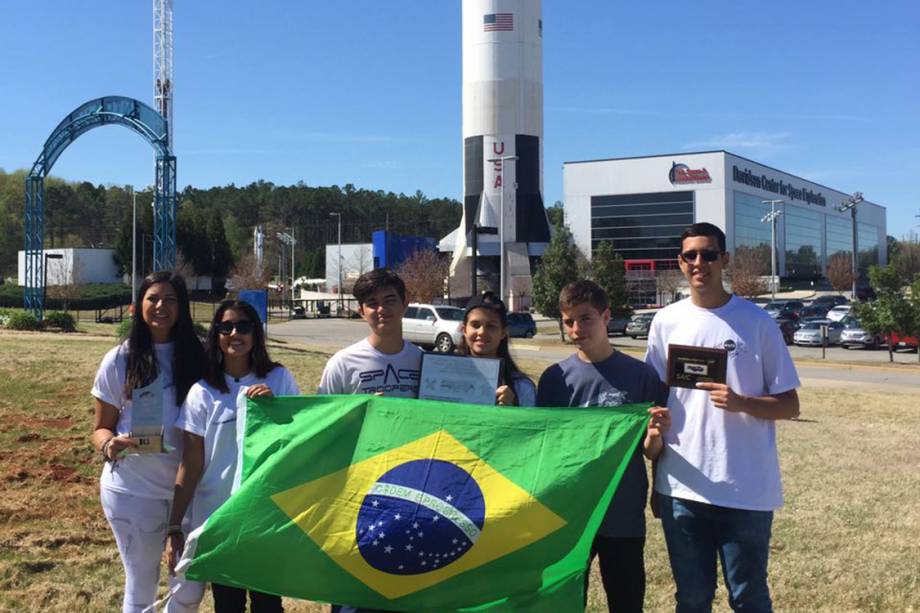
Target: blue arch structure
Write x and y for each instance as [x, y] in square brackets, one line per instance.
[115, 110]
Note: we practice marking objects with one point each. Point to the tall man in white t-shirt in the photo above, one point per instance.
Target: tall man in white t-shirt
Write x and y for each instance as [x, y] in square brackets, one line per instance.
[383, 363]
[718, 477]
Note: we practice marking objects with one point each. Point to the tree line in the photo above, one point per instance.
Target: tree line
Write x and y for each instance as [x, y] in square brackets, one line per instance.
[215, 225]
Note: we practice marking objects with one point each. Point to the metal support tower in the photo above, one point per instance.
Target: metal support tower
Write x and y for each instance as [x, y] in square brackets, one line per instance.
[164, 214]
[163, 63]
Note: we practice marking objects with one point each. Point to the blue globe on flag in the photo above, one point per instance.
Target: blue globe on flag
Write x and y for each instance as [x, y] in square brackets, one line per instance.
[419, 517]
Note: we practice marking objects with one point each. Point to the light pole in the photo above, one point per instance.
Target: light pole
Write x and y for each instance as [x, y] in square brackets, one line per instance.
[289, 240]
[850, 205]
[338, 264]
[771, 218]
[133, 244]
[501, 223]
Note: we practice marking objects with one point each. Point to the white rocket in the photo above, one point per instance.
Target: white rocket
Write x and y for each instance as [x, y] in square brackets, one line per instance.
[502, 117]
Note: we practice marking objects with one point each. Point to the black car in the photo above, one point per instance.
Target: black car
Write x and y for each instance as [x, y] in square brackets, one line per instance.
[782, 307]
[829, 301]
[815, 310]
[521, 325]
[788, 327]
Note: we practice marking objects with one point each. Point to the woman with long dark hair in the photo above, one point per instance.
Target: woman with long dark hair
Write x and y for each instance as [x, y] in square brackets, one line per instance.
[157, 364]
[485, 334]
[238, 364]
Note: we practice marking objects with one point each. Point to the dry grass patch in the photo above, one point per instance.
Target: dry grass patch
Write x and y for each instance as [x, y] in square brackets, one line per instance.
[845, 541]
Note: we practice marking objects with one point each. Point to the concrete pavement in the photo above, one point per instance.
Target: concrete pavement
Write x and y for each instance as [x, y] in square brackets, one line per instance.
[844, 368]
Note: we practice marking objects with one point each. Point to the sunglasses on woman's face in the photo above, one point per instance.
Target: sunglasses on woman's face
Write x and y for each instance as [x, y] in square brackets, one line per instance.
[243, 326]
[708, 255]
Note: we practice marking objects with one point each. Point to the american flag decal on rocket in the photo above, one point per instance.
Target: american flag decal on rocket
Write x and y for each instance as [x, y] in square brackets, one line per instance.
[498, 22]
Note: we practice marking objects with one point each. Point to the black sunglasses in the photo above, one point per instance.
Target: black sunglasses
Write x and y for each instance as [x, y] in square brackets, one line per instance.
[243, 326]
[709, 255]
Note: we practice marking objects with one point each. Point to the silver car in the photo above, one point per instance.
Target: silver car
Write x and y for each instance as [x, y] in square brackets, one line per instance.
[810, 333]
[436, 326]
[854, 336]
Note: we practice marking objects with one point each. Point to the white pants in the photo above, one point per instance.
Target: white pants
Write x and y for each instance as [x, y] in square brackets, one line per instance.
[139, 525]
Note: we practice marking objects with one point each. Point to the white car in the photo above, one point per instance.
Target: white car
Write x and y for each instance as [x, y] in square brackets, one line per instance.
[430, 325]
[838, 312]
[810, 333]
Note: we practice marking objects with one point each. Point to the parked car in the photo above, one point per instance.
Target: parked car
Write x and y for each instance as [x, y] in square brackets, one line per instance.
[899, 341]
[854, 336]
[774, 309]
[829, 300]
[436, 326]
[814, 310]
[838, 312]
[298, 312]
[810, 333]
[787, 326]
[617, 325]
[521, 325]
[639, 325]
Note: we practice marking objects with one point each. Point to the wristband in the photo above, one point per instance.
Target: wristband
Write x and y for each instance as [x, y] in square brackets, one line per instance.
[105, 450]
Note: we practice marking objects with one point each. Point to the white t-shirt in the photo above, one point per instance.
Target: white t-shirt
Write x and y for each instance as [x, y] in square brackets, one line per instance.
[211, 414]
[150, 475]
[712, 455]
[361, 369]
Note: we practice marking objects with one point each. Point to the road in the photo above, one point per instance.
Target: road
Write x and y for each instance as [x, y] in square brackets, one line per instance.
[842, 368]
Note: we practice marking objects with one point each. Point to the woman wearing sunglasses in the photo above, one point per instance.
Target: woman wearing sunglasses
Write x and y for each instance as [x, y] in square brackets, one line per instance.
[237, 363]
[485, 335]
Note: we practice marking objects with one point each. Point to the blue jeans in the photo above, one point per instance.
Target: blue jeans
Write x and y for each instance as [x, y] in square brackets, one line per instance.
[696, 532]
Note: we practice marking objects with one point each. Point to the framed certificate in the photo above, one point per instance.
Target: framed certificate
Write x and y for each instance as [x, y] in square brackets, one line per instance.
[458, 378]
[689, 365]
[147, 418]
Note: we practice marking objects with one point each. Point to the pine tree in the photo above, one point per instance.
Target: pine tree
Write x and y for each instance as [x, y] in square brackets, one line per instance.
[609, 271]
[559, 266]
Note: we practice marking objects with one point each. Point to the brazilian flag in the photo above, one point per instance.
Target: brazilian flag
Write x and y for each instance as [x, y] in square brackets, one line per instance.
[412, 505]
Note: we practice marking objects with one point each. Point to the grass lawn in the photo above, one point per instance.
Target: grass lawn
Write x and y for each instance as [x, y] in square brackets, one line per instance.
[848, 538]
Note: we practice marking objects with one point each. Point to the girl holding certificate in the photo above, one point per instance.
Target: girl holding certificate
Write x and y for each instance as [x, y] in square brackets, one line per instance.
[237, 364]
[137, 392]
[485, 335]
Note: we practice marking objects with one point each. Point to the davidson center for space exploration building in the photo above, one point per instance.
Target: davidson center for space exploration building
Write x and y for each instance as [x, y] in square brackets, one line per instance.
[643, 204]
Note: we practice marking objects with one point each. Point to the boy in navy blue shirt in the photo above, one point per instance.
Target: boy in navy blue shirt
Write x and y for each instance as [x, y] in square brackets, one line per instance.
[597, 375]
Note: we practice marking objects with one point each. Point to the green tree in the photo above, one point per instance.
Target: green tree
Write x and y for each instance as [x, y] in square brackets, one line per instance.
[558, 267]
[609, 271]
[906, 259]
[556, 214]
[891, 311]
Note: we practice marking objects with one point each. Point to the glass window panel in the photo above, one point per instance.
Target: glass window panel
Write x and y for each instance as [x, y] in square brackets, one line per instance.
[803, 242]
[867, 243]
[622, 210]
[642, 226]
[658, 197]
[749, 230]
[839, 235]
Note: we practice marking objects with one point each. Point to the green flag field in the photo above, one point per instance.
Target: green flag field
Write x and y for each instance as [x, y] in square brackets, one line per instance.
[412, 505]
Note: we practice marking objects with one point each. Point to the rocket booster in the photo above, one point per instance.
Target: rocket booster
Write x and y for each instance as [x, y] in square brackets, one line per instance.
[503, 116]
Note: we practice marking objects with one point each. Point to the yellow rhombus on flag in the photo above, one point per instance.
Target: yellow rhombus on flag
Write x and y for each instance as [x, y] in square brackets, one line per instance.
[327, 510]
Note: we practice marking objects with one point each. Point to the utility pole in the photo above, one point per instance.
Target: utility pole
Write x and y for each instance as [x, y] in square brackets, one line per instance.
[338, 265]
[771, 218]
[850, 205]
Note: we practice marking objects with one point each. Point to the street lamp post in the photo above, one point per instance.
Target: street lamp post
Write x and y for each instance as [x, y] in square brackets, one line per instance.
[133, 244]
[338, 265]
[771, 218]
[289, 240]
[501, 223]
[850, 205]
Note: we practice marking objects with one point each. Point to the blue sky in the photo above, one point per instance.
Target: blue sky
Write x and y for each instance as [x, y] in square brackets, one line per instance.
[368, 91]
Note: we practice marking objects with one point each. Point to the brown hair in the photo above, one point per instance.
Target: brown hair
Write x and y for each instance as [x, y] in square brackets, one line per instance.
[581, 292]
[380, 278]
